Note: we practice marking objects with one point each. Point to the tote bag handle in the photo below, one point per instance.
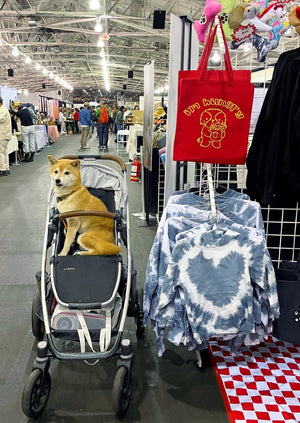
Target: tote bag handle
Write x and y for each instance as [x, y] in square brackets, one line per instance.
[208, 45]
[207, 50]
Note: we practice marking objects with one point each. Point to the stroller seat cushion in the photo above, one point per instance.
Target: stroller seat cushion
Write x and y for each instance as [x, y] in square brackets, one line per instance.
[107, 196]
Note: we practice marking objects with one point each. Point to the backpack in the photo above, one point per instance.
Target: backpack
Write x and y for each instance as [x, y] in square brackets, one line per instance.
[103, 118]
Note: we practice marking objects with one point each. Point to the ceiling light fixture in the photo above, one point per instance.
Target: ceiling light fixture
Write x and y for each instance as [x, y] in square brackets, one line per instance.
[100, 43]
[31, 22]
[15, 52]
[216, 58]
[98, 26]
[94, 5]
[37, 66]
[102, 53]
[27, 60]
[56, 79]
[45, 72]
[51, 75]
[26, 92]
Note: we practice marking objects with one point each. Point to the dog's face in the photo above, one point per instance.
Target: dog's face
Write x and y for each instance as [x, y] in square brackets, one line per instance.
[65, 174]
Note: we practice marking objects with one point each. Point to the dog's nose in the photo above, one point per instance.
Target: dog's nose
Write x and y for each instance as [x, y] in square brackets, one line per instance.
[57, 181]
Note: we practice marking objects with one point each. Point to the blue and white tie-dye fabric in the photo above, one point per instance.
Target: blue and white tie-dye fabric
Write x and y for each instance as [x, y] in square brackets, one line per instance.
[181, 222]
[157, 263]
[214, 272]
[239, 211]
[233, 206]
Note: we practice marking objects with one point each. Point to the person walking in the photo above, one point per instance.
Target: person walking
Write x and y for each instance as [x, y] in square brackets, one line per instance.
[76, 119]
[85, 120]
[94, 119]
[27, 131]
[119, 120]
[5, 136]
[102, 115]
[61, 122]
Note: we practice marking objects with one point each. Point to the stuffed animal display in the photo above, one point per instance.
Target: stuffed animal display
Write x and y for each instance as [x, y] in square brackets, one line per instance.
[257, 17]
[294, 18]
[211, 10]
[236, 16]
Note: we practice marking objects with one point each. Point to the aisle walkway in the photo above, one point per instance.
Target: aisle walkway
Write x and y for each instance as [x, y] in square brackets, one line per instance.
[167, 390]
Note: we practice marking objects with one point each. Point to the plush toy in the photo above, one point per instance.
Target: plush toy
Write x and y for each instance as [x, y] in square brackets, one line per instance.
[294, 18]
[265, 18]
[227, 7]
[271, 15]
[262, 45]
[273, 10]
[212, 8]
[250, 15]
[236, 16]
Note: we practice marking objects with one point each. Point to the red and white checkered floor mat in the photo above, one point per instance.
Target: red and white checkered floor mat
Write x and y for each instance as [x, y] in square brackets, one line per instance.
[260, 384]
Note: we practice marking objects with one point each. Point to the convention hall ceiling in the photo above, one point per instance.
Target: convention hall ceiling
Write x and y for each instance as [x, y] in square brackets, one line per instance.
[60, 36]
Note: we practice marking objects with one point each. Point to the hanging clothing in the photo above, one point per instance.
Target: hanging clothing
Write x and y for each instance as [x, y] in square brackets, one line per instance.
[274, 154]
[202, 281]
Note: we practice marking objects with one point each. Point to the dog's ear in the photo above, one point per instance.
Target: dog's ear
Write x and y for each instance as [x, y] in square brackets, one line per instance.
[75, 163]
[51, 160]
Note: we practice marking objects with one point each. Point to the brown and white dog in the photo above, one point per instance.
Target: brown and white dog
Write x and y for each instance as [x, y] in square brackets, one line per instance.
[96, 234]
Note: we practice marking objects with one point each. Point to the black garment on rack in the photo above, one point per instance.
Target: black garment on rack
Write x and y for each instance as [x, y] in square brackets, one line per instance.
[274, 156]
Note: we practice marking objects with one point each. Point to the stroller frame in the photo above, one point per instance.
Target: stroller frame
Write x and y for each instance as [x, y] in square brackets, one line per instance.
[37, 389]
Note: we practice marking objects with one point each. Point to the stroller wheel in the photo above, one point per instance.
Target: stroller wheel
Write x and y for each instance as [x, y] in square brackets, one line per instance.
[37, 325]
[122, 389]
[139, 319]
[35, 394]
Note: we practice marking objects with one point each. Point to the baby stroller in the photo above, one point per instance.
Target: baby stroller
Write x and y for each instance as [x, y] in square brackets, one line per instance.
[81, 301]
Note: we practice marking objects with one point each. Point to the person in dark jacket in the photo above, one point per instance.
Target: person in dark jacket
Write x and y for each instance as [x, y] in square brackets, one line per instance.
[27, 131]
[119, 120]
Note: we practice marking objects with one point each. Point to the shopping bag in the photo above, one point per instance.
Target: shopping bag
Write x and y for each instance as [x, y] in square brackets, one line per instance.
[214, 111]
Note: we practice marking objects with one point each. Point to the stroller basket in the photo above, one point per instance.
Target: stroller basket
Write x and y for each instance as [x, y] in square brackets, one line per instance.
[65, 323]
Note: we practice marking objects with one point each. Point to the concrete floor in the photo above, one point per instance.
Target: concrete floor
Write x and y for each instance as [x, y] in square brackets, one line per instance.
[169, 389]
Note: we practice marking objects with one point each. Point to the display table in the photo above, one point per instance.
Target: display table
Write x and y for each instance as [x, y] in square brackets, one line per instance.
[134, 132]
[70, 122]
[53, 132]
[41, 137]
[13, 144]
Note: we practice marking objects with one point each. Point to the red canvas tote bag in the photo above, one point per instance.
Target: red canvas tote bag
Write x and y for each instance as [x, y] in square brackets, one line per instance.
[214, 110]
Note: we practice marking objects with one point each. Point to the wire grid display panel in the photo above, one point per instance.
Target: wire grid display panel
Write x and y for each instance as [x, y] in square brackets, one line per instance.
[161, 189]
[282, 225]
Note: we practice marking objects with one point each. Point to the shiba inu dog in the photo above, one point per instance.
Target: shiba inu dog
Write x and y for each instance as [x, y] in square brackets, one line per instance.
[96, 234]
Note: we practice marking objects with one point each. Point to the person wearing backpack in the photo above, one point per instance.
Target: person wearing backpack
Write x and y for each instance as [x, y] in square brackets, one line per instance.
[102, 115]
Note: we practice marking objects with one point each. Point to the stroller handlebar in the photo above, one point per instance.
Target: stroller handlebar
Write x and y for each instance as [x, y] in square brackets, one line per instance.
[97, 157]
[76, 213]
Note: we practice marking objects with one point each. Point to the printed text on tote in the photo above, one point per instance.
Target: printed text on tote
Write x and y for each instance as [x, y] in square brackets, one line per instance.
[215, 102]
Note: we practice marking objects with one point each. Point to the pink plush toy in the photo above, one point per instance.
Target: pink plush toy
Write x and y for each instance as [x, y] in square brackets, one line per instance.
[212, 8]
